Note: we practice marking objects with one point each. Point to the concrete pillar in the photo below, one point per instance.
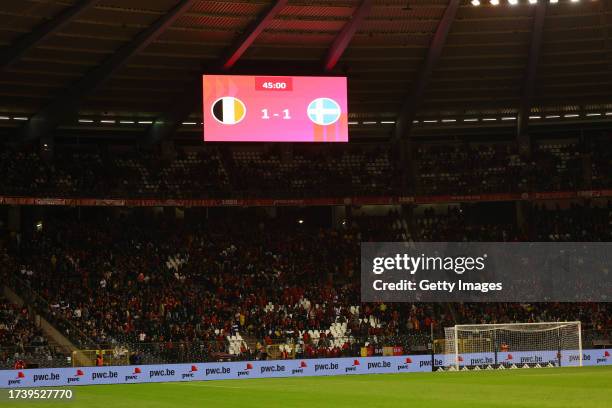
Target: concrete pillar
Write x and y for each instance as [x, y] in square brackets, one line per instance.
[168, 150]
[522, 215]
[14, 218]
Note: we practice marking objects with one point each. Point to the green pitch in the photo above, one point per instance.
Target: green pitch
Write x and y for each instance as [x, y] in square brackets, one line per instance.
[537, 388]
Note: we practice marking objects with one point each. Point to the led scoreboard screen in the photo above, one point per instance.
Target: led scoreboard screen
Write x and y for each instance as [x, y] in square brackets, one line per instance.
[241, 108]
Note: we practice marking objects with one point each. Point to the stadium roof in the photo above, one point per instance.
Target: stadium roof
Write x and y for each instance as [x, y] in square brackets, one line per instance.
[411, 59]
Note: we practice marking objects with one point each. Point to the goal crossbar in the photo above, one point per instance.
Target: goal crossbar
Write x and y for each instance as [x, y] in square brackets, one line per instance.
[468, 326]
[556, 343]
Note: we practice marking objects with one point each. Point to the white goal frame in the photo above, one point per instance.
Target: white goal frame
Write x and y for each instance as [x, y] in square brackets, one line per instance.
[565, 335]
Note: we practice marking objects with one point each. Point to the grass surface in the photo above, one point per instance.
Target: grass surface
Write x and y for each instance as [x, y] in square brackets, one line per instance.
[589, 387]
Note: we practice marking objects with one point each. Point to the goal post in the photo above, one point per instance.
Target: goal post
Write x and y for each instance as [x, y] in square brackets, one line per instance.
[513, 344]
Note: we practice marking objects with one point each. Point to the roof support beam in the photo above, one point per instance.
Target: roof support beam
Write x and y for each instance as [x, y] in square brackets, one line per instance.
[65, 105]
[530, 74]
[411, 104]
[171, 120]
[251, 34]
[605, 9]
[43, 31]
[346, 34]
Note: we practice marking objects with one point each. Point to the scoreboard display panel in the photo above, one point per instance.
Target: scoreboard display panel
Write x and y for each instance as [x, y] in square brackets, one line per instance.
[242, 108]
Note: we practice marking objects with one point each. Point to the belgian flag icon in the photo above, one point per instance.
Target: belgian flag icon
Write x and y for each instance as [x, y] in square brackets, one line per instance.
[228, 110]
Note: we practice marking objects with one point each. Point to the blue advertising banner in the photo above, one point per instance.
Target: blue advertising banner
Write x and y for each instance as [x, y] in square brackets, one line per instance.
[47, 377]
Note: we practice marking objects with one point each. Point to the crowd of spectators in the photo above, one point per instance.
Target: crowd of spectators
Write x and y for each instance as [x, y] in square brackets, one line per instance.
[599, 152]
[209, 172]
[21, 339]
[457, 224]
[368, 170]
[307, 171]
[179, 291]
[500, 168]
[557, 167]
[166, 284]
[577, 223]
[466, 169]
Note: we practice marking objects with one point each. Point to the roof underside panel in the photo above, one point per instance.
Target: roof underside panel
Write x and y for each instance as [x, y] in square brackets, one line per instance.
[481, 68]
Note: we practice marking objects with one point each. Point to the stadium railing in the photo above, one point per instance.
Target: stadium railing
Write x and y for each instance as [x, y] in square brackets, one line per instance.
[41, 356]
[215, 350]
[169, 352]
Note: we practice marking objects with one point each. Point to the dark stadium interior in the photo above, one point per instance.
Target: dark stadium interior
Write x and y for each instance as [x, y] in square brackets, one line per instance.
[121, 229]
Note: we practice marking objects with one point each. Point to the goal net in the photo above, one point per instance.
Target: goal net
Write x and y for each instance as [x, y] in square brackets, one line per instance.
[513, 344]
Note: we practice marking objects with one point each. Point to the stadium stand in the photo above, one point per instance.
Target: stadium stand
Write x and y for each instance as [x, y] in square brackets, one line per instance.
[186, 187]
[22, 340]
[242, 286]
[599, 153]
[262, 288]
[312, 171]
[464, 169]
